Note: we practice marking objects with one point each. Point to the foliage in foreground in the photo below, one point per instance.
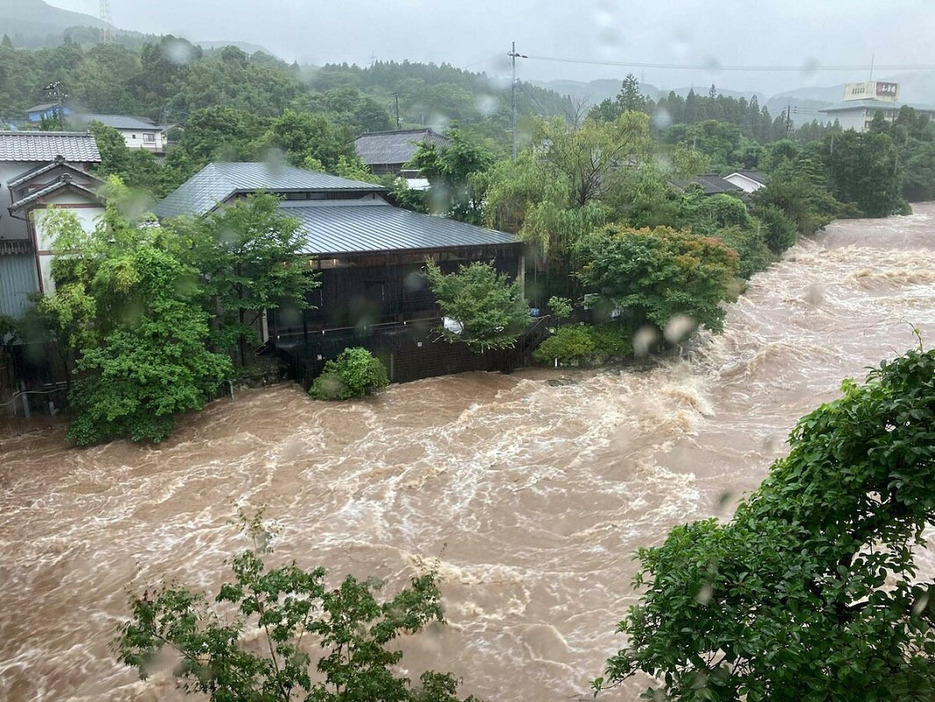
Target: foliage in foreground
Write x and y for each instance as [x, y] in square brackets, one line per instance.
[355, 373]
[296, 612]
[489, 311]
[810, 592]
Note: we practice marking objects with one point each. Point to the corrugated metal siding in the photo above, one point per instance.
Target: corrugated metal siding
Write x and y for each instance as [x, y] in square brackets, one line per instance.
[17, 282]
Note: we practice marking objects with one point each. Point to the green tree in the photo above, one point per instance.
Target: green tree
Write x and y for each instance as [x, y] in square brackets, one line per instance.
[487, 310]
[247, 255]
[136, 168]
[654, 276]
[862, 168]
[303, 136]
[811, 591]
[128, 308]
[455, 174]
[296, 613]
[630, 99]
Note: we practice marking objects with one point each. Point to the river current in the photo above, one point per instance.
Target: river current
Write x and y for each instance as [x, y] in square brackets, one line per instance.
[529, 497]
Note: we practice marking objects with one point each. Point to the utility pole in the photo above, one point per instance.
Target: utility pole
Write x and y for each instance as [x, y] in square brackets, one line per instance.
[513, 56]
[396, 95]
[788, 118]
[107, 20]
[56, 93]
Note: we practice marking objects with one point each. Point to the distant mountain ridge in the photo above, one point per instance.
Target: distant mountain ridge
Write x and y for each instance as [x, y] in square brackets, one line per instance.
[38, 20]
[35, 18]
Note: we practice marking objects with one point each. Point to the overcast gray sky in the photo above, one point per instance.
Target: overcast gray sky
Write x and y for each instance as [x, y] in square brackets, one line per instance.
[477, 34]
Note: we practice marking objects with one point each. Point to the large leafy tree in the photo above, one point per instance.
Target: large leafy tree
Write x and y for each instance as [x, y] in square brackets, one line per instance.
[863, 169]
[559, 191]
[297, 614]
[811, 591]
[486, 309]
[247, 255]
[654, 276]
[455, 173]
[128, 309]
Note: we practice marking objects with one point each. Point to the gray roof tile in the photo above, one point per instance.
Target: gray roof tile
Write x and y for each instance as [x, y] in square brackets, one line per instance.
[216, 182]
[346, 227]
[77, 147]
[390, 148]
[115, 121]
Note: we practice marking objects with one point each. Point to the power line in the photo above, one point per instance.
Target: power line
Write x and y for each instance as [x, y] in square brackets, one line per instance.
[805, 68]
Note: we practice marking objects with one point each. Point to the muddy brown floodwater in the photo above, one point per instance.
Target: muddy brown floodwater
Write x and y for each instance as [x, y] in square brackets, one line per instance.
[531, 497]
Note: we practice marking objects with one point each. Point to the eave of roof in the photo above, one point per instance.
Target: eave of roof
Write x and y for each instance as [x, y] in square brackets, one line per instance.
[64, 182]
[40, 170]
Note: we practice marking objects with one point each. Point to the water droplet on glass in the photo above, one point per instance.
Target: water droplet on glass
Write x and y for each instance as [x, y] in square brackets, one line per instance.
[678, 329]
[643, 341]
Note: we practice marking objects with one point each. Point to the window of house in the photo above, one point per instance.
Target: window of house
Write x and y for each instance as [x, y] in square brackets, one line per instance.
[149, 137]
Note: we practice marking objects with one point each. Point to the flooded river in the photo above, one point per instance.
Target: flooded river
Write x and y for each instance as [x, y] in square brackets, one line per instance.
[531, 497]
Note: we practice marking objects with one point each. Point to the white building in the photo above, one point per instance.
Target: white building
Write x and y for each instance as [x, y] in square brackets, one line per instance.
[137, 132]
[862, 101]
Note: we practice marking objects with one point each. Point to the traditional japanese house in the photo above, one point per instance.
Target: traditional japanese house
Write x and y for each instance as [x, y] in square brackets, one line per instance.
[368, 256]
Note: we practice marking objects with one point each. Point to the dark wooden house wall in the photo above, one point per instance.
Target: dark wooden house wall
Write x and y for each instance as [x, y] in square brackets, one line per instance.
[384, 304]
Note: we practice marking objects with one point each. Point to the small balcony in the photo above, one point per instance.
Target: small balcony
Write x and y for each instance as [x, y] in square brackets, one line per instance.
[15, 247]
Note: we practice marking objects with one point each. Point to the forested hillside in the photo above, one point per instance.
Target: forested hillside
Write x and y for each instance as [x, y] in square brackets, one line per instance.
[169, 79]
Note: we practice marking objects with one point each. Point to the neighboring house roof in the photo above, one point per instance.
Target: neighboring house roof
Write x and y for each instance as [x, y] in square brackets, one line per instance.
[59, 162]
[117, 122]
[48, 106]
[756, 176]
[217, 182]
[64, 181]
[372, 226]
[396, 147]
[77, 147]
[710, 183]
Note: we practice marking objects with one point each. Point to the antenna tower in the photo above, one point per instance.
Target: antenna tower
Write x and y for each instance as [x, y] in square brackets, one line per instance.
[107, 19]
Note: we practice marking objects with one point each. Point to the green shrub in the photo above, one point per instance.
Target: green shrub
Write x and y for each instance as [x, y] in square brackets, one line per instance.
[571, 344]
[560, 307]
[778, 227]
[354, 373]
[611, 341]
[750, 246]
